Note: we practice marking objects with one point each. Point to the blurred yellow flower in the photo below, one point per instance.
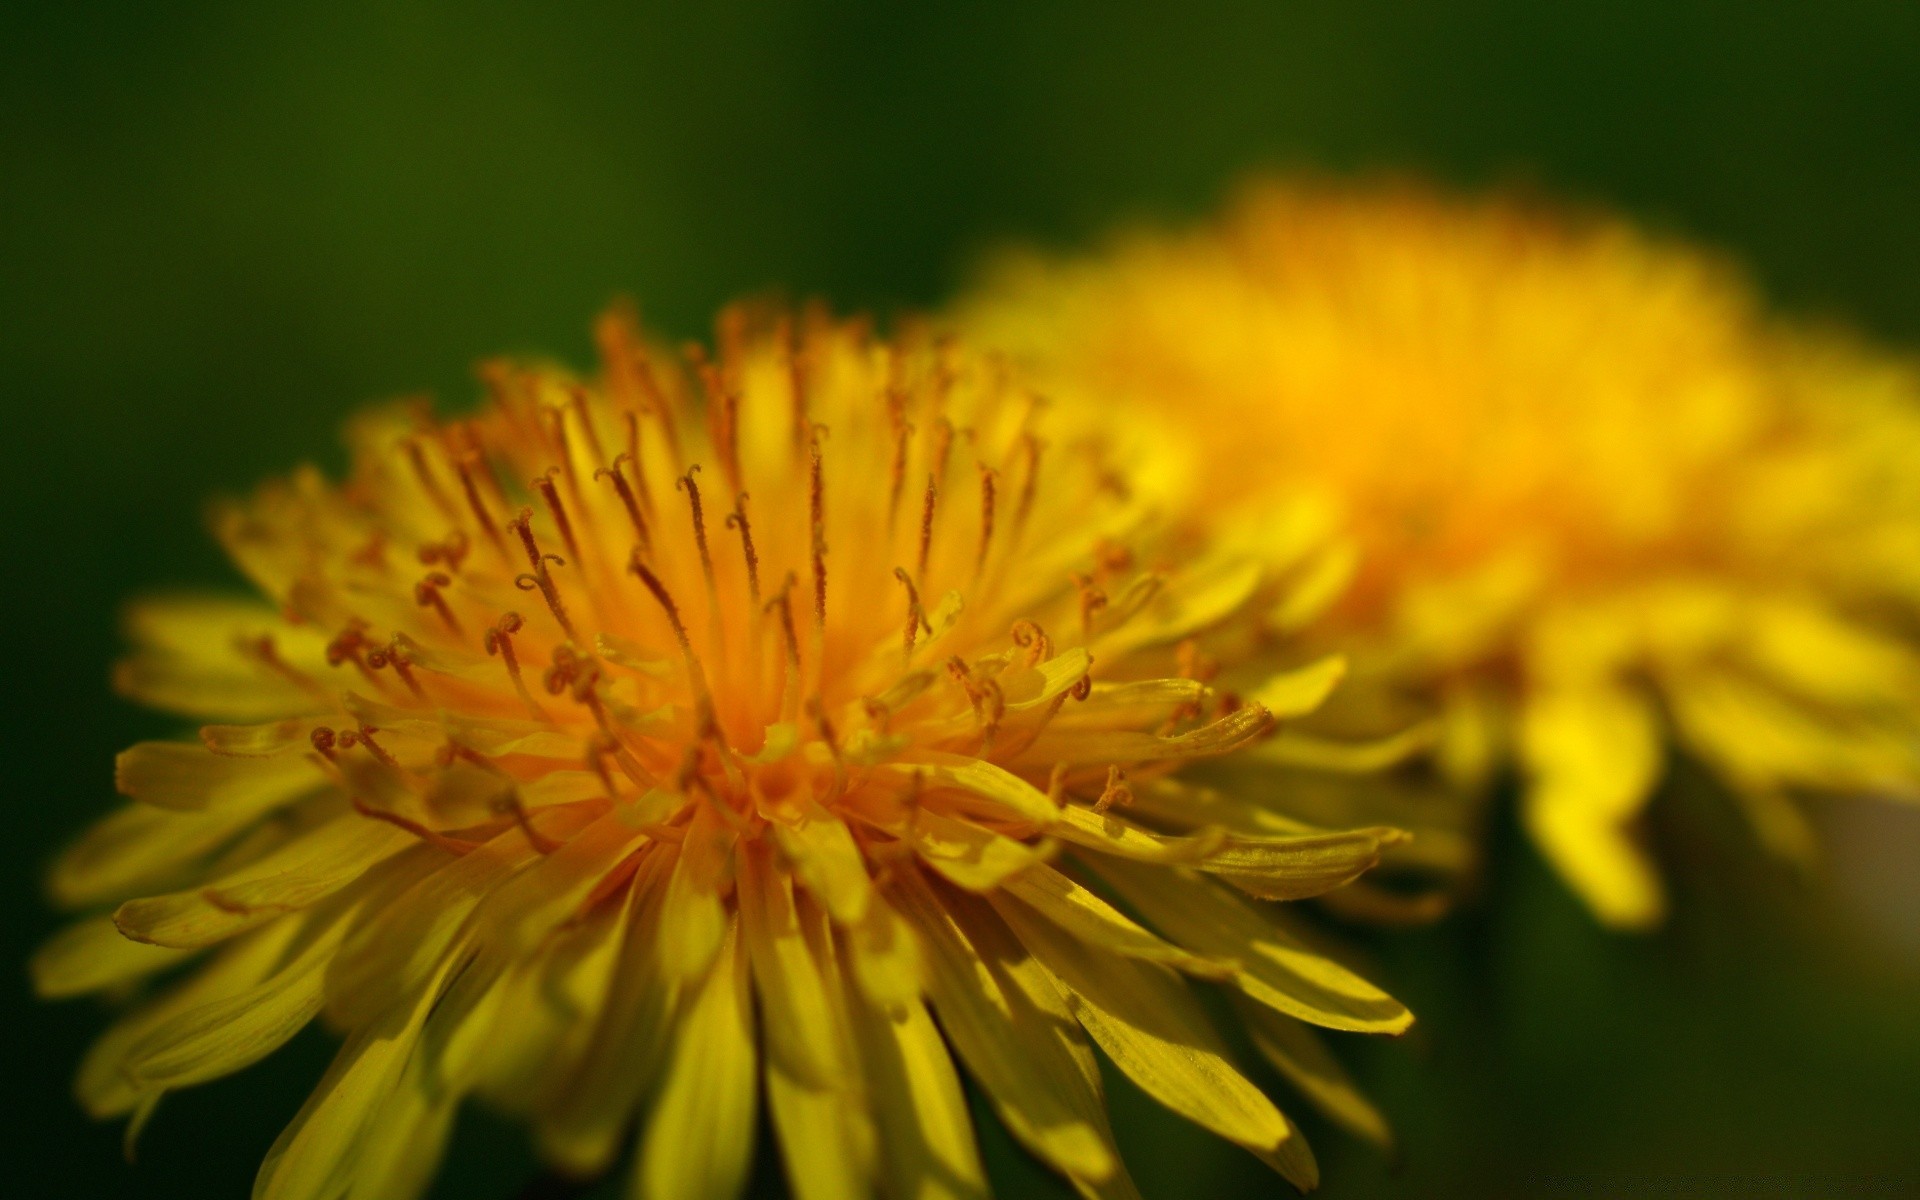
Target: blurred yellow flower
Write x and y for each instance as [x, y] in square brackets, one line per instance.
[1595, 499]
[753, 724]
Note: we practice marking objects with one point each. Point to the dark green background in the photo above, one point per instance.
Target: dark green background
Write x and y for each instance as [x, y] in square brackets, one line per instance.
[223, 225]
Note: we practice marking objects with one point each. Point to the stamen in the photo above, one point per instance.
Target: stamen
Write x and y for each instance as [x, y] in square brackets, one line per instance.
[723, 407]
[451, 552]
[817, 513]
[429, 836]
[790, 690]
[897, 485]
[926, 529]
[426, 593]
[541, 578]
[348, 647]
[584, 415]
[1034, 640]
[988, 477]
[323, 740]
[373, 555]
[916, 787]
[1092, 600]
[374, 748]
[1029, 483]
[603, 744]
[264, 648]
[551, 494]
[417, 456]
[686, 484]
[509, 804]
[818, 711]
[394, 655]
[916, 616]
[627, 499]
[696, 678]
[499, 641]
[737, 519]
[479, 507]
[1116, 792]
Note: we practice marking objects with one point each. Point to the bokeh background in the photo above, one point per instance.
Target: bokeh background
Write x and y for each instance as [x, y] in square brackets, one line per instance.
[222, 225]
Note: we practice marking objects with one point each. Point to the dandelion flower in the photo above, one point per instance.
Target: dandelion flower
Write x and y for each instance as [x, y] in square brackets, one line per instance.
[784, 721]
[1598, 501]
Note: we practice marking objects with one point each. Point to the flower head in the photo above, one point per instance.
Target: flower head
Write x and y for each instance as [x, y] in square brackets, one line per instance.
[1594, 497]
[761, 721]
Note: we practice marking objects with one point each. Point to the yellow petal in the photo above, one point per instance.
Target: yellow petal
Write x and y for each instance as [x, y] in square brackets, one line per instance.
[1155, 1031]
[800, 1028]
[257, 741]
[303, 872]
[975, 858]
[222, 1036]
[693, 921]
[926, 1136]
[829, 862]
[699, 1139]
[1304, 751]
[630, 1036]
[92, 955]
[1063, 743]
[394, 956]
[1275, 868]
[1310, 593]
[138, 849]
[318, 1156]
[885, 956]
[188, 777]
[1084, 915]
[103, 1086]
[1297, 1053]
[189, 657]
[1276, 968]
[1593, 755]
[983, 779]
[1302, 690]
[1012, 1050]
[826, 1129]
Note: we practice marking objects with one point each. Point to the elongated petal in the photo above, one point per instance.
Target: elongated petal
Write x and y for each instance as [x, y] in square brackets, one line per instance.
[699, 1138]
[630, 1036]
[299, 874]
[826, 1128]
[92, 955]
[1012, 1047]
[1083, 915]
[829, 862]
[1290, 867]
[927, 1148]
[1593, 756]
[191, 778]
[1275, 967]
[1297, 1052]
[977, 859]
[796, 1015]
[222, 1036]
[1302, 690]
[1153, 1028]
[318, 1156]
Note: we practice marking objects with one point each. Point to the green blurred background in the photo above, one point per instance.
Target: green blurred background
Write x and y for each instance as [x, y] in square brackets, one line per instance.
[223, 225]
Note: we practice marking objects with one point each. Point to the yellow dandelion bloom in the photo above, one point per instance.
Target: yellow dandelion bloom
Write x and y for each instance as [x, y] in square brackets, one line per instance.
[1596, 499]
[783, 721]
